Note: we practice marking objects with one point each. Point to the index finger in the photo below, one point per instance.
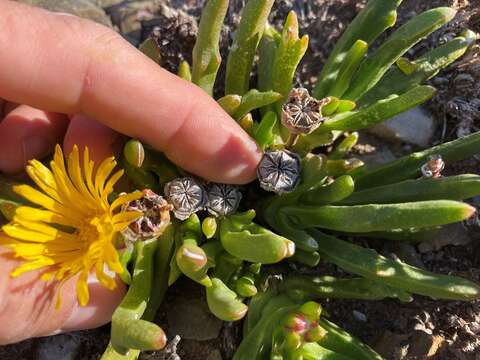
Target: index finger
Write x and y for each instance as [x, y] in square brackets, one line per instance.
[65, 64]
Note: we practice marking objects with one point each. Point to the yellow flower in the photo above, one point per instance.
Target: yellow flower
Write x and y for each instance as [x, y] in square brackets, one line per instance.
[74, 228]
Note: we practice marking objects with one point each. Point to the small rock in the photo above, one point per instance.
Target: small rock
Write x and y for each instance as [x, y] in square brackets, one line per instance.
[415, 126]
[59, 347]
[81, 8]
[453, 234]
[192, 320]
[359, 316]
[424, 346]
[380, 156]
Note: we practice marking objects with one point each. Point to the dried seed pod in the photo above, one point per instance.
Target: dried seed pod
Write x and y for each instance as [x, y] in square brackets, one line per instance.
[279, 171]
[302, 114]
[186, 195]
[155, 219]
[223, 199]
[433, 167]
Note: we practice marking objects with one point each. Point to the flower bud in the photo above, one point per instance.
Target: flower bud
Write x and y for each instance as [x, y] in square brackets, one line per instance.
[223, 199]
[312, 310]
[155, 218]
[302, 114]
[186, 195]
[316, 333]
[134, 153]
[279, 171]
[209, 227]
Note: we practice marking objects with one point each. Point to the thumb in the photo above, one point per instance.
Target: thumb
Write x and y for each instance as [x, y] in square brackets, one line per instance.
[27, 304]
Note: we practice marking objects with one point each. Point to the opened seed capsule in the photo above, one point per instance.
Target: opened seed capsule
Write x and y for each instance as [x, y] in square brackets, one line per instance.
[186, 195]
[223, 199]
[155, 218]
[279, 171]
[302, 114]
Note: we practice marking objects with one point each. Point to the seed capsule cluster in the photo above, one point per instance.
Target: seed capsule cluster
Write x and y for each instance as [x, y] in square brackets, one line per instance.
[188, 195]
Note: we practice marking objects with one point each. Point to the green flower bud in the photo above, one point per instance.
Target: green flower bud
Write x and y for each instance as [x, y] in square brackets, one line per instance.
[134, 153]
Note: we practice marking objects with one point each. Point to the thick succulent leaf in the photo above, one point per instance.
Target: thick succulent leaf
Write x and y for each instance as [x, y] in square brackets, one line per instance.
[206, 53]
[338, 190]
[224, 303]
[380, 217]
[255, 99]
[342, 342]
[380, 111]
[348, 68]
[409, 166]
[344, 147]
[372, 21]
[459, 187]
[398, 82]
[242, 52]
[367, 263]
[290, 52]
[267, 51]
[307, 288]
[184, 71]
[378, 63]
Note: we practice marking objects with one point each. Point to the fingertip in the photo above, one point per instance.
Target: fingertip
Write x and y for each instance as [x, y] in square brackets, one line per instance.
[101, 141]
[27, 133]
[210, 144]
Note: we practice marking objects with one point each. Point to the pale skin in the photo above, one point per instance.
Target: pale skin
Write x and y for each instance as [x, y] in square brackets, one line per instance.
[70, 81]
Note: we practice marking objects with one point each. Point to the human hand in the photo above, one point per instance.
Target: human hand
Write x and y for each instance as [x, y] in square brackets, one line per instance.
[87, 80]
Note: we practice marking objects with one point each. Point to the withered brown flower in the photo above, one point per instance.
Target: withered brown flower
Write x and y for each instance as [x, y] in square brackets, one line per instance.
[155, 218]
[302, 113]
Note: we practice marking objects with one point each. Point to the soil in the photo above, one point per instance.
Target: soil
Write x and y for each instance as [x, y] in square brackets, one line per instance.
[399, 330]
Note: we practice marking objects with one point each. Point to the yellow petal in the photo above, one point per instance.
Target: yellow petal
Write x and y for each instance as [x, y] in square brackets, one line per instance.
[111, 258]
[126, 217]
[125, 198]
[35, 214]
[29, 266]
[103, 173]
[104, 279]
[83, 295]
[43, 200]
[109, 186]
[75, 172]
[19, 232]
[44, 179]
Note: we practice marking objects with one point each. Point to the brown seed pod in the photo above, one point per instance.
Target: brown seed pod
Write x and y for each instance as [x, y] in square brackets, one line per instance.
[155, 218]
[302, 114]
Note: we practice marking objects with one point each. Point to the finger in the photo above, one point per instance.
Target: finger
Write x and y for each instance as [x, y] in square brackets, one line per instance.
[109, 80]
[86, 132]
[27, 133]
[27, 304]
[9, 107]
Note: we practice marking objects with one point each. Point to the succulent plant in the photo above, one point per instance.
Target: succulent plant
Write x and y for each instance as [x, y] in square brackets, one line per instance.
[320, 196]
